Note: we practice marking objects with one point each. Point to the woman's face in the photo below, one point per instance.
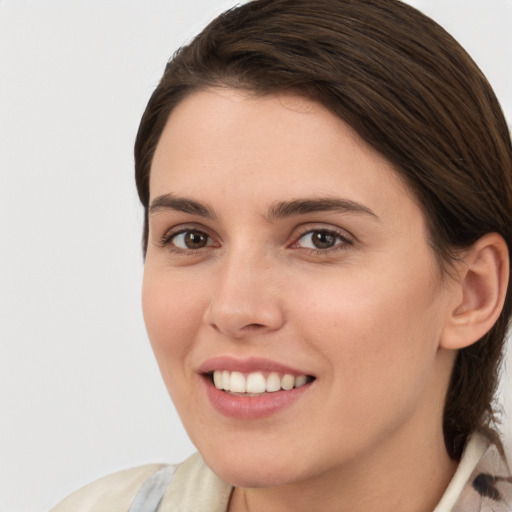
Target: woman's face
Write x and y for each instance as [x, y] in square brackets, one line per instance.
[285, 252]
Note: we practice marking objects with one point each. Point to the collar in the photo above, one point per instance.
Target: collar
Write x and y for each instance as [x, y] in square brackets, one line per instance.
[482, 482]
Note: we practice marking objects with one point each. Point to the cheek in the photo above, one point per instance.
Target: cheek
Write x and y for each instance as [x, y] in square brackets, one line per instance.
[172, 314]
[376, 331]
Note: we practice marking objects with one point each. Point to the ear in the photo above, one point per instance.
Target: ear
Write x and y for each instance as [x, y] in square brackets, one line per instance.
[480, 290]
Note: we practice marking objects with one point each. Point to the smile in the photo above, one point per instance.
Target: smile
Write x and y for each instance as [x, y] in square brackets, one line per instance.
[256, 383]
[253, 388]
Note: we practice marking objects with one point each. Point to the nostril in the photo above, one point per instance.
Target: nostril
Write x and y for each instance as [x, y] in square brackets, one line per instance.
[244, 329]
[252, 327]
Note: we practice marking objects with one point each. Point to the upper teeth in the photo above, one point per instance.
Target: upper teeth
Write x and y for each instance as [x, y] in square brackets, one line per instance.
[256, 382]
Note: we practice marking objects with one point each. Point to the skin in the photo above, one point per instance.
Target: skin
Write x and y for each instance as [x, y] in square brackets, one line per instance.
[366, 316]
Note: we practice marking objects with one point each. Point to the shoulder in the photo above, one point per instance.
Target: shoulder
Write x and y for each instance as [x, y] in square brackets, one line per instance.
[196, 487]
[111, 493]
[191, 485]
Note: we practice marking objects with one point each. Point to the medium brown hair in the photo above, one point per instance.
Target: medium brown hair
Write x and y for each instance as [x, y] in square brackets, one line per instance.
[411, 92]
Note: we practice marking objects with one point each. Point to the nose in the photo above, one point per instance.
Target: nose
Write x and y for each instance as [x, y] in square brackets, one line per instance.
[245, 298]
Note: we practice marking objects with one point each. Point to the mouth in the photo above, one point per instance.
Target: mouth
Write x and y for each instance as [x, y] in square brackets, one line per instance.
[256, 383]
[254, 388]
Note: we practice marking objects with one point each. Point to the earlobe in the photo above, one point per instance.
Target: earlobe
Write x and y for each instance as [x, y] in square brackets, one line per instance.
[481, 285]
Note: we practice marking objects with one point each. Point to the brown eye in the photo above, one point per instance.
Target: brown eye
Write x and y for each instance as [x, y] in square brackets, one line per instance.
[190, 240]
[195, 239]
[322, 240]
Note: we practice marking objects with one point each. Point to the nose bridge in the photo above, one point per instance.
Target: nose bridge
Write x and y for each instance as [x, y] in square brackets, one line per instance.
[244, 298]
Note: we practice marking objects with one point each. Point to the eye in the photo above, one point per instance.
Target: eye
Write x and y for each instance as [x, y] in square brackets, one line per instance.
[186, 240]
[321, 239]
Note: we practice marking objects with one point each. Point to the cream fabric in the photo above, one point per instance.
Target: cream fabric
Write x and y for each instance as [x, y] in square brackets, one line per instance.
[472, 454]
[195, 488]
[111, 493]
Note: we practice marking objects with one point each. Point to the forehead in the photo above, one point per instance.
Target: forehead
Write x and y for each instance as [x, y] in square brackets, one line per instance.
[282, 144]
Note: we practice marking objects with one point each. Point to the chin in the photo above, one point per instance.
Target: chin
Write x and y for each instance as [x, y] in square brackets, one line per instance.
[248, 476]
[253, 470]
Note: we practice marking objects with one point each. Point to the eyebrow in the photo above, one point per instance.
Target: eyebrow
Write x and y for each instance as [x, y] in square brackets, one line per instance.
[278, 210]
[314, 205]
[181, 204]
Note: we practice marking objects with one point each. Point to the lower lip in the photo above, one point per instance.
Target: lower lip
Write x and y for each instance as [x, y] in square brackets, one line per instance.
[252, 407]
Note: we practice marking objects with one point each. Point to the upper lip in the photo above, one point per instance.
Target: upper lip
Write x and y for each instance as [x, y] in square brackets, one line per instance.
[247, 365]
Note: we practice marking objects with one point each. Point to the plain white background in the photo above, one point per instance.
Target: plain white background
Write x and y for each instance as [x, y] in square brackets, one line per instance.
[80, 392]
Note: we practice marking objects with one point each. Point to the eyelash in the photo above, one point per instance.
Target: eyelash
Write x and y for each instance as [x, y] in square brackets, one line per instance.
[341, 242]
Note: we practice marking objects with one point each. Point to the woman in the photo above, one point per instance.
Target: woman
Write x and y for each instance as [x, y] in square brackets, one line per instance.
[328, 215]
